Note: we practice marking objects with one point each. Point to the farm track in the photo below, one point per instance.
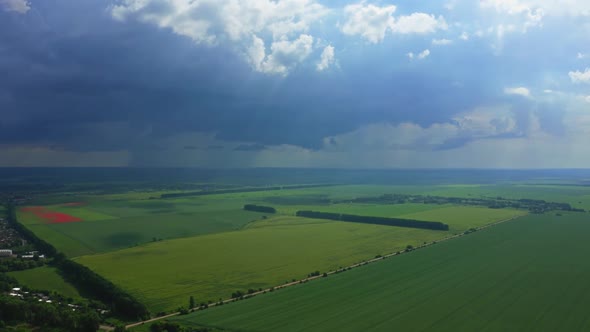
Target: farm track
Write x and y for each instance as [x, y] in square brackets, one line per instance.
[304, 280]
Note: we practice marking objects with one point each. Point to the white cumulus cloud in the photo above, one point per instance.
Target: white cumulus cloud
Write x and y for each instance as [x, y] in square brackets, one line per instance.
[19, 6]
[519, 15]
[579, 76]
[424, 54]
[256, 53]
[480, 123]
[369, 21]
[508, 6]
[326, 59]
[519, 91]
[441, 41]
[284, 54]
[548, 7]
[526, 14]
[373, 22]
[247, 25]
[420, 23]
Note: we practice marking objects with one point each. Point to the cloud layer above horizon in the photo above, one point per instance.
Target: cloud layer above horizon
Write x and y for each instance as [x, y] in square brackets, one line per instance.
[295, 83]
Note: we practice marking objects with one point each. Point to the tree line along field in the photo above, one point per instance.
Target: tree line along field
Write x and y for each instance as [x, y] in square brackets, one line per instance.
[530, 274]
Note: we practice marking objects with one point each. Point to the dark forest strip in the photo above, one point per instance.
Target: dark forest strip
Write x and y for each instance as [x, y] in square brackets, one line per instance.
[434, 225]
[259, 208]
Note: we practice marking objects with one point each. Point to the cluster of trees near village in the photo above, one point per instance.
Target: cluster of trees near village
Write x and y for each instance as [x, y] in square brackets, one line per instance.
[434, 225]
[533, 205]
[19, 264]
[47, 316]
[85, 280]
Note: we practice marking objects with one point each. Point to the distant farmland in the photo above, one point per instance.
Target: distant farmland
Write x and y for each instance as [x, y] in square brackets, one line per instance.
[530, 274]
[112, 222]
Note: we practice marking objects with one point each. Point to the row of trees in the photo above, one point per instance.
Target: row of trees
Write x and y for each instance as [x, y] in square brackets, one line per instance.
[259, 208]
[85, 280]
[533, 205]
[164, 326]
[239, 190]
[91, 284]
[434, 225]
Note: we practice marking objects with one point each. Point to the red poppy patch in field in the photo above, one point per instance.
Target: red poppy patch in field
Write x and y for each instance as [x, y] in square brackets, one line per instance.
[58, 217]
[51, 217]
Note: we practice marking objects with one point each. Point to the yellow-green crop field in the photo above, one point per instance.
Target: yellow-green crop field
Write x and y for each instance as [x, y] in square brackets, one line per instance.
[265, 254]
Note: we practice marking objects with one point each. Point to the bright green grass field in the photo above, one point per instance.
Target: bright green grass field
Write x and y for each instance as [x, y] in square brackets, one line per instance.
[45, 278]
[465, 217]
[163, 275]
[530, 274]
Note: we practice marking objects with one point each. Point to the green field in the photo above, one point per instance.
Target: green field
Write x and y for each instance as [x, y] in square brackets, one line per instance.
[530, 274]
[46, 278]
[117, 221]
[267, 253]
[465, 217]
[126, 224]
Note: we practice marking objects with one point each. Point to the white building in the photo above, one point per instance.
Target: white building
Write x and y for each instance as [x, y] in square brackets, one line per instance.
[5, 252]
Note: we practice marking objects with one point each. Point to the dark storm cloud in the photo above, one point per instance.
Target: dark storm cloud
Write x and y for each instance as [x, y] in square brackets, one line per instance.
[70, 71]
[98, 71]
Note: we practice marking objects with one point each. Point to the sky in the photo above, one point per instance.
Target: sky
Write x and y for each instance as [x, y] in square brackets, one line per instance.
[295, 83]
